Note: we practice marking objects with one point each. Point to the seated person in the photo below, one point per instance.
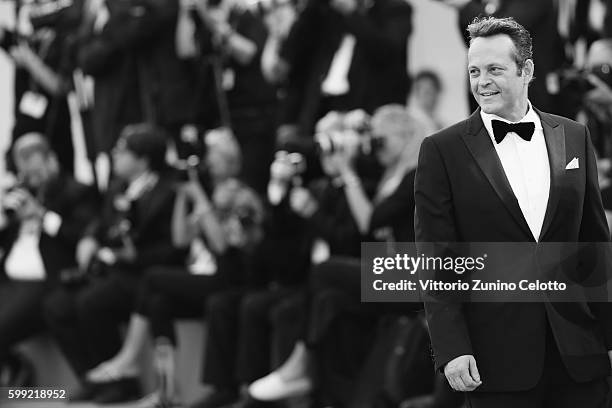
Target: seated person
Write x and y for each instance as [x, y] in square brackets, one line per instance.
[335, 284]
[218, 218]
[132, 233]
[42, 215]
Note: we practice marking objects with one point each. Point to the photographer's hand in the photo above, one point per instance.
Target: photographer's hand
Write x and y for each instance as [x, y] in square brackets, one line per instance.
[23, 204]
[344, 7]
[85, 251]
[194, 193]
[302, 202]
[127, 253]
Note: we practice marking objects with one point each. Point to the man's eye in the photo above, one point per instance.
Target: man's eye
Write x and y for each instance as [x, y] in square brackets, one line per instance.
[496, 70]
[473, 72]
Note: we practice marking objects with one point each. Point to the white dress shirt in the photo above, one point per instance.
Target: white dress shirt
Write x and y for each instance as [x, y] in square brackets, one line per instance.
[527, 168]
[336, 82]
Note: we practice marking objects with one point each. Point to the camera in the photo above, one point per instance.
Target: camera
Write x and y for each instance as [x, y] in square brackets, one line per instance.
[9, 206]
[285, 172]
[343, 131]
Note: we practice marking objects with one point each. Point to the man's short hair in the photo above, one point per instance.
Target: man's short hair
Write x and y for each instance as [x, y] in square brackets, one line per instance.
[27, 140]
[146, 141]
[490, 26]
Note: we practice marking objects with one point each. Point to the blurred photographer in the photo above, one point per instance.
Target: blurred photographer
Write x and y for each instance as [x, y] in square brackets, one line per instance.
[341, 140]
[132, 233]
[342, 55]
[42, 216]
[40, 47]
[335, 287]
[218, 219]
[593, 88]
[129, 49]
[229, 36]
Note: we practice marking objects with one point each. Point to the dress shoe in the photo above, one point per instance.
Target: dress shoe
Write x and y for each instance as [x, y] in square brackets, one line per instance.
[85, 392]
[126, 389]
[273, 387]
[216, 399]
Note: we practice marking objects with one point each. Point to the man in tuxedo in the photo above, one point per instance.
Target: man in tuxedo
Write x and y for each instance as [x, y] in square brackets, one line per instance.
[502, 175]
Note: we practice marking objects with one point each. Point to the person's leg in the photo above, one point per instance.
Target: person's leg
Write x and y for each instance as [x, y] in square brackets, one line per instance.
[101, 307]
[20, 312]
[220, 352]
[60, 314]
[254, 340]
[594, 394]
[287, 319]
[524, 399]
[125, 363]
[172, 293]
[219, 361]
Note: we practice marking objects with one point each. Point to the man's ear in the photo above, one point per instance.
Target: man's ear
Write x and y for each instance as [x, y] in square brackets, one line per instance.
[528, 68]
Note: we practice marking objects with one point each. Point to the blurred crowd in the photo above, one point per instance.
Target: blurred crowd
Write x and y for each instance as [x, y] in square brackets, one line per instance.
[242, 150]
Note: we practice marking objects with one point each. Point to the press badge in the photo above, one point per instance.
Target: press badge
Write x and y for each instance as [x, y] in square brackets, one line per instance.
[33, 104]
[229, 78]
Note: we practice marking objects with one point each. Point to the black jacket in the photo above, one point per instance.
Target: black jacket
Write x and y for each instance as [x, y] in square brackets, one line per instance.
[378, 72]
[463, 195]
[76, 204]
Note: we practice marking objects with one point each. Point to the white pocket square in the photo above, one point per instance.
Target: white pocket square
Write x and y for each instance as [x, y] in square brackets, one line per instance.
[574, 164]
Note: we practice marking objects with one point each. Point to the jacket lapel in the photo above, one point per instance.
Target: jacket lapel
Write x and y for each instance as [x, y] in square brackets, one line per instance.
[147, 205]
[554, 134]
[481, 147]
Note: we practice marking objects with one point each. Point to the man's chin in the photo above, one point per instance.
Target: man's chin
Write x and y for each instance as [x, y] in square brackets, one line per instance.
[488, 108]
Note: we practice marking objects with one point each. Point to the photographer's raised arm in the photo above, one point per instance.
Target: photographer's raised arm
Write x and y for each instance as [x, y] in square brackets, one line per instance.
[185, 226]
[358, 201]
[185, 43]
[42, 73]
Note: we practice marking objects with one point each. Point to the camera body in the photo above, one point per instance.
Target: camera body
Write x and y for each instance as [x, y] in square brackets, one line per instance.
[338, 132]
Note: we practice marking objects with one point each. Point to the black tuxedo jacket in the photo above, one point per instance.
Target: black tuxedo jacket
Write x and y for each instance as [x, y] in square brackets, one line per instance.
[462, 195]
[76, 204]
[150, 225]
[377, 74]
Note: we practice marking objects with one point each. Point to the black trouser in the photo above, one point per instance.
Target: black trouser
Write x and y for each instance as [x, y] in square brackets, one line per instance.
[85, 320]
[20, 312]
[335, 291]
[555, 389]
[167, 293]
[255, 131]
[593, 394]
[242, 330]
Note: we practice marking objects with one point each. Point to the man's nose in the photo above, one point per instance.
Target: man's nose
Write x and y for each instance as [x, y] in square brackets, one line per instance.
[484, 79]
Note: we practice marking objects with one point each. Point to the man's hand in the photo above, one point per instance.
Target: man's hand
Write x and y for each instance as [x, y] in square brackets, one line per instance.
[23, 204]
[610, 356]
[462, 373]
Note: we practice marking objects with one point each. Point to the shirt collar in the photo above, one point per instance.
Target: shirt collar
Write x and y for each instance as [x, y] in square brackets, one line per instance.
[140, 185]
[530, 116]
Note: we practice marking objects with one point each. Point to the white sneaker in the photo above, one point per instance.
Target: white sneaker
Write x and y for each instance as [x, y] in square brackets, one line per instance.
[273, 388]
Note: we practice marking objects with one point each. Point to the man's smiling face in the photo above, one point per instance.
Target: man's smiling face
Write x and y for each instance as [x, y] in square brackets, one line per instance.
[495, 80]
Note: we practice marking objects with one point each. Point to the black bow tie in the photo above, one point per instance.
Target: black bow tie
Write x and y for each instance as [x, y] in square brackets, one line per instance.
[523, 129]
